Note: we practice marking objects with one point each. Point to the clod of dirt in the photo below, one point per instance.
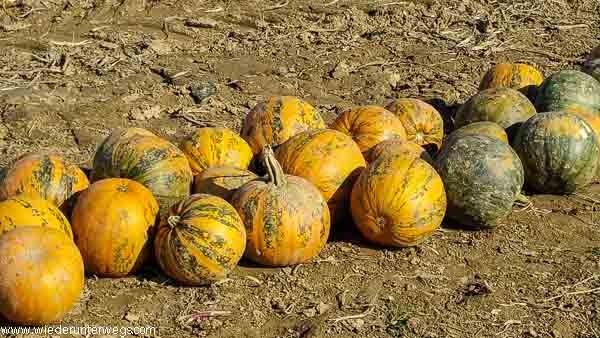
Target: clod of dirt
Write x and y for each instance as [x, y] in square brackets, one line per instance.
[201, 90]
[477, 288]
[322, 308]
[145, 113]
[132, 317]
[160, 47]
[341, 70]
[202, 23]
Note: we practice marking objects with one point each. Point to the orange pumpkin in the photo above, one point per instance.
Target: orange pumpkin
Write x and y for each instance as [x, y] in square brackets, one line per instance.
[330, 160]
[423, 123]
[113, 223]
[398, 201]
[211, 147]
[369, 125]
[222, 181]
[517, 76]
[386, 148]
[286, 218]
[276, 119]
[41, 275]
[49, 177]
[200, 241]
[139, 155]
[23, 210]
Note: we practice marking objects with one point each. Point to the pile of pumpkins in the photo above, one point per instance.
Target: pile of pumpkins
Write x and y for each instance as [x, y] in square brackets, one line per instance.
[274, 192]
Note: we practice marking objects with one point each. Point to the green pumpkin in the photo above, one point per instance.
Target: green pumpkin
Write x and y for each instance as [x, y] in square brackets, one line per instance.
[559, 152]
[504, 106]
[592, 67]
[485, 128]
[569, 90]
[483, 177]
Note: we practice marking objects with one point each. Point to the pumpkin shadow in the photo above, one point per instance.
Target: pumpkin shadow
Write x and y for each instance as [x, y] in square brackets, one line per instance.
[448, 112]
[452, 225]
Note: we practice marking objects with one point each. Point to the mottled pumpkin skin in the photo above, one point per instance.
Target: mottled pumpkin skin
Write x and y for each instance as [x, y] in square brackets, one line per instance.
[485, 128]
[113, 225]
[23, 210]
[423, 123]
[200, 241]
[285, 225]
[398, 201]
[216, 146]
[559, 151]
[569, 89]
[139, 155]
[222, 181]
[41, 275]
[386, 148]
[504, 106]
[592, 67]
[276, 119]
[518, 76]
[327, 158]
[369, 125]
[482, 177]
[50, 177]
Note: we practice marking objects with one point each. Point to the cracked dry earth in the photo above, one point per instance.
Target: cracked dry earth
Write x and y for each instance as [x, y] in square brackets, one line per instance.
[73, 70]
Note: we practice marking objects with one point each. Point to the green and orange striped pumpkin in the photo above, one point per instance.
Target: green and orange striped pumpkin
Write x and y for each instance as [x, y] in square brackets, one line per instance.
[519, 76]
[222, 181]
[200, 241]
[386, 148]
[423, 123]
[24, 210]
[485, 128]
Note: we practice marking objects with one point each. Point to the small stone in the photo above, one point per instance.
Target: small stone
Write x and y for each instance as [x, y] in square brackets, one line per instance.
[322, 308]
[145, 114]
[132, 317]
[532, 333]
[202, 22]
[341, 70]
[201, 90]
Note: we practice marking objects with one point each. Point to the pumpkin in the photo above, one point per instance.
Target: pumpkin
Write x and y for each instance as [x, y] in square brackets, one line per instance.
[139, 155]
[518, 76]
[215, 146]
[276, 119]
[222, 181]
[113, 225]
[286, 218]
[200, 241]
[423, 123]
[559, 151]
[327, 158]
[369, 125]
[569, 90]
[504, 106]
[23, 210]
[388, 147]
[49, 177]
[592, 67]
[41, 275]
[398, 201]
[483, 177]
[485, 128]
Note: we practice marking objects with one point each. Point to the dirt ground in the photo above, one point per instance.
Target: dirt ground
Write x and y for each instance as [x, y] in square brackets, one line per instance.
[71, 70]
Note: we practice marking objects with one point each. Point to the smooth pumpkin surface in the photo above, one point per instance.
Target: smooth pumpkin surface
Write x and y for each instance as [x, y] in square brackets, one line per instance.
[386, 148]
[504, 106]
[216, 146]
[41, 275]
[23, 210]
[287, 220]
[518, 76]
[483, 177]
[559, 151]
[139, 155]
[485, 128]
[50, 177]
[222, 181]
[369, 125]
[569, 89]
[200, 241]
[327, 158]
[276, 119]
[423, 123]
[592, 67]
[398, 201]
[113, 225]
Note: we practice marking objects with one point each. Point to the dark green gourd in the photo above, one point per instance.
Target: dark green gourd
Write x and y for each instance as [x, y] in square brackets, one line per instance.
[569, 90]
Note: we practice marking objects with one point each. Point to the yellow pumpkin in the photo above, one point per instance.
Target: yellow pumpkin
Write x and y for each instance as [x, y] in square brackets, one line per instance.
[408, 148]
[369, 125]
[518, 76]
[200, 241]
[276, 119]
[398, 201]
[41, 275]
[222, 181]
[113, 225]
[216, 146]
[423, 123]
[23, 210]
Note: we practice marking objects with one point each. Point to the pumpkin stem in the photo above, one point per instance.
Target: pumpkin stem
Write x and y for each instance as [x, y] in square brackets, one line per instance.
[173, 220]
[274, 171]
[522, 199]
